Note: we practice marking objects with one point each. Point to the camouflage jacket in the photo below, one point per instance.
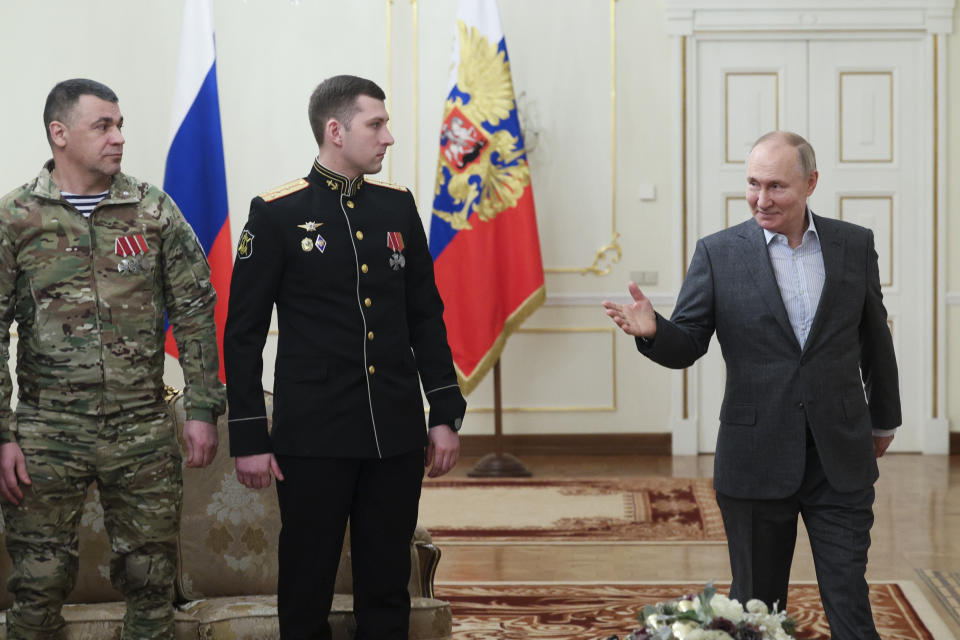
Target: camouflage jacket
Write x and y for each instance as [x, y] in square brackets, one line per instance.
[88, 296]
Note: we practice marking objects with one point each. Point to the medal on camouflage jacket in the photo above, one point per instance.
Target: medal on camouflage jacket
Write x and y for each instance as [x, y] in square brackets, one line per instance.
[395, 243]
[131, 249]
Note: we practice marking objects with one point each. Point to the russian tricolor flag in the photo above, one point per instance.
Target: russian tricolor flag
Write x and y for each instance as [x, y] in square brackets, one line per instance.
[195, 176]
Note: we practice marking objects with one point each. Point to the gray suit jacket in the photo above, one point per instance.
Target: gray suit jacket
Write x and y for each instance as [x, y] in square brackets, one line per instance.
[774, 388]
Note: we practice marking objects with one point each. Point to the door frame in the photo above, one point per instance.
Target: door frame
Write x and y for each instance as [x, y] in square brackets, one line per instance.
[692, 21]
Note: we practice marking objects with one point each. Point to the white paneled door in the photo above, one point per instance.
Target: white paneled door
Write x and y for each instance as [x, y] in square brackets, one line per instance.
[863, 105]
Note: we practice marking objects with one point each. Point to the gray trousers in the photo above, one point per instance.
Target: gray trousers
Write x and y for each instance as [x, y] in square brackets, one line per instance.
[762, 534]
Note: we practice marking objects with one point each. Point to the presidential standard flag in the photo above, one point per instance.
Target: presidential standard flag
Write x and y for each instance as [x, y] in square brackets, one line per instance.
[483, 233]
[195, 176]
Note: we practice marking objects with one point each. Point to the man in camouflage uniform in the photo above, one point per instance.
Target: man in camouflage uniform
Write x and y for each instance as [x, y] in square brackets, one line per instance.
[89, 260]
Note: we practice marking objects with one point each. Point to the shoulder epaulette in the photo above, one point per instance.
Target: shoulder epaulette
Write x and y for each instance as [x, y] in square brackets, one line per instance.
[388, 185]
[284, 190]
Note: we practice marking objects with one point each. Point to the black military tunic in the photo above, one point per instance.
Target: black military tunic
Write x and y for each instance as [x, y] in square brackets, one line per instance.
[347, 265]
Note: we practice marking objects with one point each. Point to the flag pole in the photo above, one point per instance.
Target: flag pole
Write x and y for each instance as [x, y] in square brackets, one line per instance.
[498, 464]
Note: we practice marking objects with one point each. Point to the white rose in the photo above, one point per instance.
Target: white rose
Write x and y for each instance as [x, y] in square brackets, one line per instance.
[757, 606]
[685, 605]
[724, 607]
[780, 634]
[682, 628]
[770, 622]
[703, 634]
[653, 621]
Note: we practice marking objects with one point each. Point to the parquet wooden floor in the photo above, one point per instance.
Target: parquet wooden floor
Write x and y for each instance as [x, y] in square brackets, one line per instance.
[917, 527]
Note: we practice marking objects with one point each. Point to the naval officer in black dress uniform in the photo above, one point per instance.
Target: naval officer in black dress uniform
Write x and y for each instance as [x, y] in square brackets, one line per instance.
[344, 259]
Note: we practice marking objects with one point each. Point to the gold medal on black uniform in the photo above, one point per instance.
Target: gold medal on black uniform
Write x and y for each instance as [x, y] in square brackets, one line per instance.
[306, 244]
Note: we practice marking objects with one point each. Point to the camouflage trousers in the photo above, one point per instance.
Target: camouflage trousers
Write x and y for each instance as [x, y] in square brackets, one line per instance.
[135, 461]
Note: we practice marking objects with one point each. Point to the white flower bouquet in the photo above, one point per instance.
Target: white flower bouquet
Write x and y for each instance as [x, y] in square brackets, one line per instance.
[712, 616]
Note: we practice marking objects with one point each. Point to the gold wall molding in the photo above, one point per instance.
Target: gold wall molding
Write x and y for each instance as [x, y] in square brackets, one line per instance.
[569, 409]
[389, 20]
[610, 253]
[889, 200]
[726, 107]
[726, 208]
[684, 231]
[841, 76]
[936, 233]
[416, 91]
[416, 102]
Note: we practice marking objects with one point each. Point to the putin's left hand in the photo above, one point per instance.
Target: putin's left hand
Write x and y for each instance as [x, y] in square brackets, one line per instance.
[880, 444]
[443, 451]
[201, 440]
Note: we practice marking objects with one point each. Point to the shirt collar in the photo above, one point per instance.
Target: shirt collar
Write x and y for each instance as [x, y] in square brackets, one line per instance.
[334, 181]
[811, 228]
[123, 188]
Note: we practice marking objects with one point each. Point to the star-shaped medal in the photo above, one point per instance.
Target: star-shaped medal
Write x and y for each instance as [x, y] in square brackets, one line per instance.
[310, 226]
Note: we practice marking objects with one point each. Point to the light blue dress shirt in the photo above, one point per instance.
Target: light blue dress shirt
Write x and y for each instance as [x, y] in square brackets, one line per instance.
[800, 276]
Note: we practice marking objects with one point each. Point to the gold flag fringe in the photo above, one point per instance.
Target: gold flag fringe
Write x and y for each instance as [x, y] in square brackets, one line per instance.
[513, 322]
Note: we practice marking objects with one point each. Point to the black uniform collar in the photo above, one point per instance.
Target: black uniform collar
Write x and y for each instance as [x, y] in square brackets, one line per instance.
[322, 176]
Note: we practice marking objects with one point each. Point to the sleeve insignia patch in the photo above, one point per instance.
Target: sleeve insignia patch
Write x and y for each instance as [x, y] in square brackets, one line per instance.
[284, 190]
[382, 183]
[245, 245]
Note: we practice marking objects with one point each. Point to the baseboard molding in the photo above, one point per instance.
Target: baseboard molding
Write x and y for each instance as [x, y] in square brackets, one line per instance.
[571, 444]
[954, 442]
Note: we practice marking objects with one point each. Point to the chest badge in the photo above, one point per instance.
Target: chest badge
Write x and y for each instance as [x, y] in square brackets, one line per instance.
[310, 226]
[131, 249]
[306, 244]
[320, 244]
[395, 244]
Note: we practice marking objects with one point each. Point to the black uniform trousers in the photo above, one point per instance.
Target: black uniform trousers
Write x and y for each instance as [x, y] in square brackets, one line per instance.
[762, 534]
[381, 498]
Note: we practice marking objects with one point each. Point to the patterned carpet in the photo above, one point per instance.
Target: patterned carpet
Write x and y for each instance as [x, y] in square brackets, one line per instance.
[621, 510]
[597, 611]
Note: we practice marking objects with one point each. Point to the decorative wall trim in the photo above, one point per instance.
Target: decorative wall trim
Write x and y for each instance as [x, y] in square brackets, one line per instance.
[610, 253]
[844, 197]
[953, 297]
[574, 444]
[596, 299]
[686, 17]
[610, 408]
[845, 158]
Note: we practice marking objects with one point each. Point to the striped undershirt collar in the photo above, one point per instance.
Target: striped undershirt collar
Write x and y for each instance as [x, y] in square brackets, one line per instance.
[85, 204]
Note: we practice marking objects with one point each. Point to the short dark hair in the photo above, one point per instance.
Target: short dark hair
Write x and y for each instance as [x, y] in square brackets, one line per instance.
[336, 98]
[64, 96]
[806, 158]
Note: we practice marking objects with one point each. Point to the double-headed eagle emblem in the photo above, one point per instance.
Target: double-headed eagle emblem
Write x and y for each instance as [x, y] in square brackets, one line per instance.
[481, 167]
